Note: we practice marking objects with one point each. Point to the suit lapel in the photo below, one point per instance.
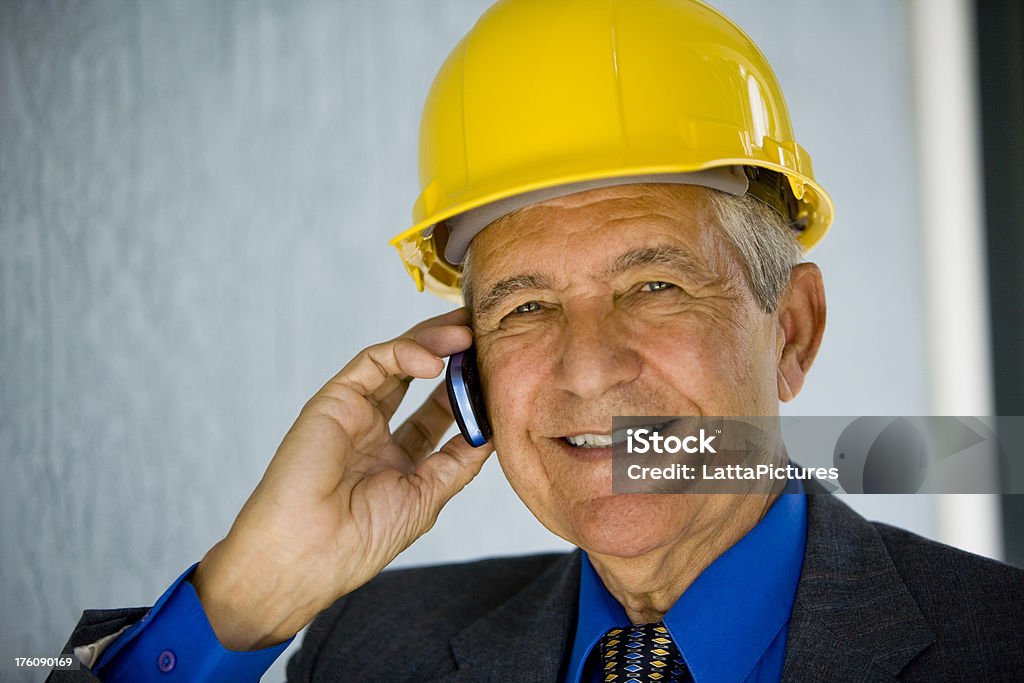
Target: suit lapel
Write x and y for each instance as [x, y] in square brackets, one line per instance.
[853, 617]
[525, 639]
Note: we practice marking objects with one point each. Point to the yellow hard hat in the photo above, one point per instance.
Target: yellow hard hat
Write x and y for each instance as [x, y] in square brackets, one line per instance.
[544, 96]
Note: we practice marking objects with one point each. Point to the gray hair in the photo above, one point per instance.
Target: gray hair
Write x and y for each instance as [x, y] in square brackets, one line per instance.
[467, 285]
[767, 247]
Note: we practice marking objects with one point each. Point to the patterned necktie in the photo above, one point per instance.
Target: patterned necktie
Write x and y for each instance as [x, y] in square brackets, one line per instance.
[642, 652]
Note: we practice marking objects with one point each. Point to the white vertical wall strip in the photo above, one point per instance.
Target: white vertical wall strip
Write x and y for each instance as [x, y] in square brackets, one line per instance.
[948, 150]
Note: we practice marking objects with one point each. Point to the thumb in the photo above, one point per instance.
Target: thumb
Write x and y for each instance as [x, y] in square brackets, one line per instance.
[454, 465]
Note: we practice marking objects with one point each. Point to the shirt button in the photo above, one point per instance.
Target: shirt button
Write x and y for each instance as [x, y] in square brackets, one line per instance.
[166, 661]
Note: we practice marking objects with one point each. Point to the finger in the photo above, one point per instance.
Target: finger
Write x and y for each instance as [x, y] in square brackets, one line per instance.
[446, 472]
[458, 316]
[380, 369]
[377, 370]
[382, 372]
[441, 341]
[430, 334]
[418, 435]
[390, 402]
[443, 335]
[444, 340]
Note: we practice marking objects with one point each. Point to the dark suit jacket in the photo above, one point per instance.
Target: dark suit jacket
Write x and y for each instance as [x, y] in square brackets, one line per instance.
[874, 603]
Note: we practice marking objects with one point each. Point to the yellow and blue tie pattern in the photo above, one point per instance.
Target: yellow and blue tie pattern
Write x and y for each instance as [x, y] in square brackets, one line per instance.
[642, 652]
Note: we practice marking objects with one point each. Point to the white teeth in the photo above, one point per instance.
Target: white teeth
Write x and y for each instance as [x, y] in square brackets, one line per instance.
[591, 440]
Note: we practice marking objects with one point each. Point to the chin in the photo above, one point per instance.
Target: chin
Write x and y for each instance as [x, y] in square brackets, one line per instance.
[631, 525]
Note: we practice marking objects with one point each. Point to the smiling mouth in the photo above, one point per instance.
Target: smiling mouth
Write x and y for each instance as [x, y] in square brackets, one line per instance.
[589, 440]
[607, 440]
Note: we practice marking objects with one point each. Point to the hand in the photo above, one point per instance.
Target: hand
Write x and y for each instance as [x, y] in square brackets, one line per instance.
[343, 495]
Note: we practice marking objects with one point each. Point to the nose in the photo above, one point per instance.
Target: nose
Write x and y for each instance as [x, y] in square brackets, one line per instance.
[597, 353]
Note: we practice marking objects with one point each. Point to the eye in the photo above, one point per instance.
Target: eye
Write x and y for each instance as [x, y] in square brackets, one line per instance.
[528, 307]
[656, 286]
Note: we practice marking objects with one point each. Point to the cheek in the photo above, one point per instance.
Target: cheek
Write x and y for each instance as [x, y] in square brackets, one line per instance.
[513, 377]
[719, 367]
[516, 374]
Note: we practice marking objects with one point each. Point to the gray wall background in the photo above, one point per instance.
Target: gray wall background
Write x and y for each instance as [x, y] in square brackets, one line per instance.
[195, 199]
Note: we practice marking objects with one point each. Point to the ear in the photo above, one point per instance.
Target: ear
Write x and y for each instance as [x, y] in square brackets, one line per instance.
[801, 318]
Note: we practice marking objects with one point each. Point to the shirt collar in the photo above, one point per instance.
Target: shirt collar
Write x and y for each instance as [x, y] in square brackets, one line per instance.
[730, 614]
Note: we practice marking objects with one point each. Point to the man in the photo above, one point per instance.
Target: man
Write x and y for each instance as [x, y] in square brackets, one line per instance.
[616, 190]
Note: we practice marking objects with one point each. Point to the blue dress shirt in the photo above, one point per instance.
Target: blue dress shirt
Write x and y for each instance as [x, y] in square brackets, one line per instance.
[731, 623]
[175, 642]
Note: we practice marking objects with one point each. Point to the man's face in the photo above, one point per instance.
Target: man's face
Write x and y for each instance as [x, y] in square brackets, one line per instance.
[626, 300]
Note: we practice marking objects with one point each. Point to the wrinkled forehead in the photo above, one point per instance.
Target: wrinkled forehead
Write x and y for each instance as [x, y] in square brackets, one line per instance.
[600, 221]
[460, 230]
[586, 239]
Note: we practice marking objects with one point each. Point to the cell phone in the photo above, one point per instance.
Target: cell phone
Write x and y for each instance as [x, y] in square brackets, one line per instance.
[466, 397]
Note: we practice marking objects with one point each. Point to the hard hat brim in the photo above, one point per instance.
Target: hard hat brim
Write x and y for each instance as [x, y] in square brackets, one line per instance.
[431, 270]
